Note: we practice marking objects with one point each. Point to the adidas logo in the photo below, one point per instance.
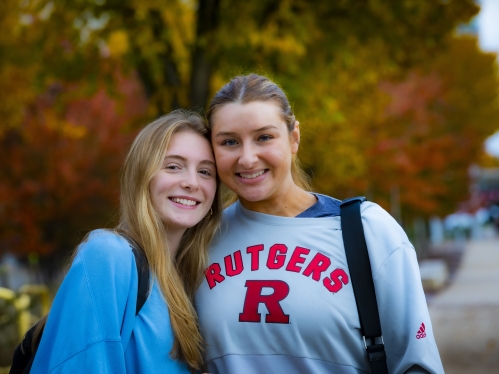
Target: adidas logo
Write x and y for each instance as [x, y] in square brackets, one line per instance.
[421, 332]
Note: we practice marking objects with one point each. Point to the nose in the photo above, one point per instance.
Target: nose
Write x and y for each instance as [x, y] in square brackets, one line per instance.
[190, 181]
[248, 156]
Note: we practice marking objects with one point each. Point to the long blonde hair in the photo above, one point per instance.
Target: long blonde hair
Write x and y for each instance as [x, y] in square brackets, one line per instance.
[177, 277]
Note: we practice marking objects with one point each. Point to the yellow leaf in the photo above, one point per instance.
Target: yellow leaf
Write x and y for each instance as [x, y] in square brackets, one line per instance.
[118, 43]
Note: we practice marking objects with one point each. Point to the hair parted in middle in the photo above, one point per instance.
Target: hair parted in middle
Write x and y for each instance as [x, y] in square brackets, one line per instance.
[177, 277]
[244, 89]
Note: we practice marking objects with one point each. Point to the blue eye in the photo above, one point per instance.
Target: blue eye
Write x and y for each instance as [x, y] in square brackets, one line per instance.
[229, 142]
[205, 172]
[265, 137]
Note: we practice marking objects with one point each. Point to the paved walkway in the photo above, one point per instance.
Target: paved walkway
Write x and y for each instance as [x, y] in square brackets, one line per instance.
[465, 316]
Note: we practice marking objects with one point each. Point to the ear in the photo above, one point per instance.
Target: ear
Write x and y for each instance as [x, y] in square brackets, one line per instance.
[295, 138]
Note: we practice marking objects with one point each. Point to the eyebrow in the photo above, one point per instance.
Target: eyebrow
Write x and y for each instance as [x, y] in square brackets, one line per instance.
[182, 158]
[229, 133]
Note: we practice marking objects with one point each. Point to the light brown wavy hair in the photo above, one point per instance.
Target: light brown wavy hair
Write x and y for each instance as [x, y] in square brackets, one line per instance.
[244, 89]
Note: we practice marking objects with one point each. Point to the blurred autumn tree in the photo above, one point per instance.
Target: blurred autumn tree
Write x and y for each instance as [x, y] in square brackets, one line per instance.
[387, 97]
[62, 138]
[440, 115]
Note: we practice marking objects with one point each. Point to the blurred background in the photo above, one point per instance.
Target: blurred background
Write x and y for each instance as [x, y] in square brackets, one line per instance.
[397, 101]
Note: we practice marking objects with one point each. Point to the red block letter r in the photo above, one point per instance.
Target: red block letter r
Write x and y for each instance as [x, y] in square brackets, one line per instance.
[254, 297]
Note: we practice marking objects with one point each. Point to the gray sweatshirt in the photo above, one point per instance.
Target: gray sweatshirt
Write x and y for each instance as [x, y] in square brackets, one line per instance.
[277, 297]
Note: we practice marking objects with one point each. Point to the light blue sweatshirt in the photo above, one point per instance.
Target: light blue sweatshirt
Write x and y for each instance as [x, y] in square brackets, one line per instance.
[92, 327]
[277, 297]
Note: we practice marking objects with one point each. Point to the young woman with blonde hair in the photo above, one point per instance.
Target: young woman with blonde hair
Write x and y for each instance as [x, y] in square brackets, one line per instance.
[170, 206]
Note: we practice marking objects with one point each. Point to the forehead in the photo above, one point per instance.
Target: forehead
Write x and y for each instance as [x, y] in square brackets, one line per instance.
[255, 113]
[190, 145]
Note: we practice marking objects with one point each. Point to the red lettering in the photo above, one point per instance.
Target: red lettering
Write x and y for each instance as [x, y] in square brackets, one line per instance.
[319, 264]
[254, 297]
[297, 259]
[213, 275]
[254, 251]
[276, 261]
[229, 267]
[338, 279]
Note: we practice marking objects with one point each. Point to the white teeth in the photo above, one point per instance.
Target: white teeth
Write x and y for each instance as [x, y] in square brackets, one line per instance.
[251, 176]
[184, 201]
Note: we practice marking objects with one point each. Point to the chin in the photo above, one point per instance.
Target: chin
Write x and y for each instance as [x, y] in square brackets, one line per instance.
[185, 224]
[253, 198]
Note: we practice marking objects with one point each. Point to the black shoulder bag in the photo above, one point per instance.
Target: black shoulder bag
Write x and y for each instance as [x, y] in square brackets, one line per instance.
[24, 355]
[362, 282]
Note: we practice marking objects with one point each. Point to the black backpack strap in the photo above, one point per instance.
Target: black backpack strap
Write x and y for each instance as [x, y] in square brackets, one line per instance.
[24, 356]
[142, 271]
[362, 282]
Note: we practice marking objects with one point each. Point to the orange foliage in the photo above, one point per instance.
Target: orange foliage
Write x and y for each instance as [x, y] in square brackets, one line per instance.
[434, 129]
[59, 170]
[387, 99]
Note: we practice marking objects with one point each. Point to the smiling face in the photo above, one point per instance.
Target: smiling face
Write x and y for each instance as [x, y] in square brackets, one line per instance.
[254, 150]
[183, 189]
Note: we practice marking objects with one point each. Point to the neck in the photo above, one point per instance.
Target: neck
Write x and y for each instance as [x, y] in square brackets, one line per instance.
[288, 203]
[174, 236]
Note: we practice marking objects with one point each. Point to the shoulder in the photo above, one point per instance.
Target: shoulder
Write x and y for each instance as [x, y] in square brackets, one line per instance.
[104, 242]
[95, 293]
[105, 249]
[384, 236]
[104, 238]
[380, 222]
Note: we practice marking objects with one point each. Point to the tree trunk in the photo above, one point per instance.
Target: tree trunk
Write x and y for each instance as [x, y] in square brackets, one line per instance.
[207, 23]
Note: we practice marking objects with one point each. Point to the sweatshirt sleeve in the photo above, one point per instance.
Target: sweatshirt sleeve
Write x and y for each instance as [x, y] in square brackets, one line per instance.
[91, 309]
[405, 322]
